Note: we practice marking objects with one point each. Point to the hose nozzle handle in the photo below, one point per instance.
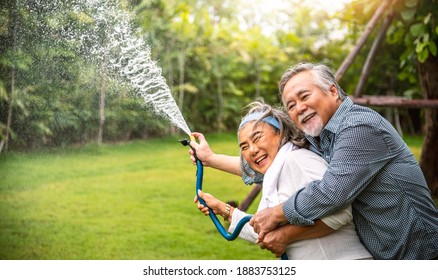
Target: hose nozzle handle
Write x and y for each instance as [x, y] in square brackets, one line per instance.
[186, 142]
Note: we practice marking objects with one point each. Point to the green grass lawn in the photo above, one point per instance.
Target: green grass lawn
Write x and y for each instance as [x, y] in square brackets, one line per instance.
[123, 201]
[415, 143]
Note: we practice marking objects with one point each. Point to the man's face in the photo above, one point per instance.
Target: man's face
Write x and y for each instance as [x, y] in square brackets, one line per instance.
[307, 105]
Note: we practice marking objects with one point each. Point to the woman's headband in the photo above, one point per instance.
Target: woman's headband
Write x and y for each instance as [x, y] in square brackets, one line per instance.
[256, 116]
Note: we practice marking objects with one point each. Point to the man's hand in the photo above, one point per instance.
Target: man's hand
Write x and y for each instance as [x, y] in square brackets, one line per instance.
[275, 242]
[267, 220]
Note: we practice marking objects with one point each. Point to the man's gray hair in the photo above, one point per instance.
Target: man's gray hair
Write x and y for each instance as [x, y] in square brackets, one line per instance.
[322, 77]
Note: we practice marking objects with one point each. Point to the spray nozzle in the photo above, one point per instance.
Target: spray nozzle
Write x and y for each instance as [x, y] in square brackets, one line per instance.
[185, 142]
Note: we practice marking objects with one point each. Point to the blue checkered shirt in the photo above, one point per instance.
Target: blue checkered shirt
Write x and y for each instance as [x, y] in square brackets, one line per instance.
[372, 168]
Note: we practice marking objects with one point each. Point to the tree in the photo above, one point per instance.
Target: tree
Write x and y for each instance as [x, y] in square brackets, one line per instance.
[417, 30]
[11, 61]
[14, 28]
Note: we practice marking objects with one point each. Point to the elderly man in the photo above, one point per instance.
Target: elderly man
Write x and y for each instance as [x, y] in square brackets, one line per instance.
[370, 166]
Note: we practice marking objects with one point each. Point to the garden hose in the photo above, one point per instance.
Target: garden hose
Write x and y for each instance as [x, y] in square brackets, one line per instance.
[213, 217]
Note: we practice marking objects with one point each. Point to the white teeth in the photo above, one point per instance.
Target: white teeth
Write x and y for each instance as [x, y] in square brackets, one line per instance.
[260, 159]
[303, 119]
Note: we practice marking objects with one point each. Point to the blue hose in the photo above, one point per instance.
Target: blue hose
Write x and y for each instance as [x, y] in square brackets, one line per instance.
[216, 222]
[219, 226]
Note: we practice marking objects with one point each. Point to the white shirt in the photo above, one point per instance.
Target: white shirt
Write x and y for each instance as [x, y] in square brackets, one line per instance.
[300, 167]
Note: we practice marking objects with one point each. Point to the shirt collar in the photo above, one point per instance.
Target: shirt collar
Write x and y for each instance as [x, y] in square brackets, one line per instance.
[335, 121]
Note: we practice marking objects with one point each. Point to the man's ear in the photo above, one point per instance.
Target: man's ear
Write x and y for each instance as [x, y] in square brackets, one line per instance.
[333, 90]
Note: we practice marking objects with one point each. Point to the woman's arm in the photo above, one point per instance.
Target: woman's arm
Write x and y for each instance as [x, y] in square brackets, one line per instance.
[218, 207]
[233, 215]
[230, 164]
[275, 241]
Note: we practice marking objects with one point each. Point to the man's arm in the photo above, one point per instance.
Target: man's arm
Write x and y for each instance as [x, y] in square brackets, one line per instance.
[267, 220]
[359, 154]
[355, 163]
[277, 240]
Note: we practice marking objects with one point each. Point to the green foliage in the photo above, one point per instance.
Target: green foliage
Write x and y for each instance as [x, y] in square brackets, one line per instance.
[416, 30]
[216, 56]
[55, 98]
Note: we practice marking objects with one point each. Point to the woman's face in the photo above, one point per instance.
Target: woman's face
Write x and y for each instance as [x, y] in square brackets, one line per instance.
[259, 145]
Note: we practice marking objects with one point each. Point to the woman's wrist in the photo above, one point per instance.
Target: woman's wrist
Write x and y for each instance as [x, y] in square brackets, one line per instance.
[230, 217]
[226, 212]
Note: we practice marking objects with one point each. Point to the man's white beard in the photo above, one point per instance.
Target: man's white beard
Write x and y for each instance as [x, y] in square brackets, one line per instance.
[313, 127]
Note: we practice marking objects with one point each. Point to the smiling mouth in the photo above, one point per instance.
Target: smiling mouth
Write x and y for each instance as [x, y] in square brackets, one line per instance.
[260, 159]
[308, 117]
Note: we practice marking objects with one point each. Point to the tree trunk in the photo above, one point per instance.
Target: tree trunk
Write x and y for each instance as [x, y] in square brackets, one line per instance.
[359, 44]
[250, 197]
[181, 67]
[5, 143]
[181, 64]
[101, 109]
[258, 81]
[168, 57]
[170, 69]
[428, 75]
[372, 54]
[397, 123]
[220, 103]
[13, 72]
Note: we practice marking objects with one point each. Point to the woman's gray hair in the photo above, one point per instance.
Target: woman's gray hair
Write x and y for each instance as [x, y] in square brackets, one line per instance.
[287, 130]
[322, 77]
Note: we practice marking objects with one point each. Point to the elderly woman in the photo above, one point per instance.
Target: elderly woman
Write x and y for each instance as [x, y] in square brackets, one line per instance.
[270, 144]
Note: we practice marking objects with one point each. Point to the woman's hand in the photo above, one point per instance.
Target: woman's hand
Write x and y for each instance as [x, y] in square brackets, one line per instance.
[203, 150]
[205, 154]
[215, 204]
